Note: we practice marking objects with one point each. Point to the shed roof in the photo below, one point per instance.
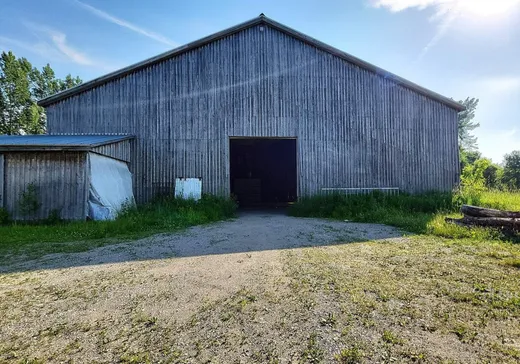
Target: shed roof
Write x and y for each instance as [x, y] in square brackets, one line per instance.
[57, 142]
[262, 19]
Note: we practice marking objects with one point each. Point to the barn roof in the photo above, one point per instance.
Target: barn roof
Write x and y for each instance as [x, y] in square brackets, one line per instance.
[57, 142]
[262, 19]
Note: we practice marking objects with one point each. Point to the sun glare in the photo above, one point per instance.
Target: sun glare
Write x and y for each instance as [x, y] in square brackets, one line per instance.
[488, 8]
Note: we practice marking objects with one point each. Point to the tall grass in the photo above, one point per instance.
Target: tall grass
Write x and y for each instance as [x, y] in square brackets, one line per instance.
[421, 213]
[500, 200]
[162, 215]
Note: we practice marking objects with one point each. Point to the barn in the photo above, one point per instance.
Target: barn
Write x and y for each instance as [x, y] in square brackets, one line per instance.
[268, 114]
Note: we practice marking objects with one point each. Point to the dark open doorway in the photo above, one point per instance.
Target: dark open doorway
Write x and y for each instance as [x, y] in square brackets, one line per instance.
[263, 171]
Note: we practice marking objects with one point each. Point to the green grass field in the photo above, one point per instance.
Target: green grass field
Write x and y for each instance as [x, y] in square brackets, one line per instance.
[420, 214]
[164, 215]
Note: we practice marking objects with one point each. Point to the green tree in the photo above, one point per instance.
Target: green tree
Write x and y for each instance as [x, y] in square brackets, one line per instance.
[511, 176]
[482, 174]
[468, 157]
[21, 86]
[15, 95]
[466, 124]
[493, 175]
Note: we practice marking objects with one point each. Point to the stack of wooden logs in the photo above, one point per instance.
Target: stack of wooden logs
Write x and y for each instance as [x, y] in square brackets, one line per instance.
[508, 221]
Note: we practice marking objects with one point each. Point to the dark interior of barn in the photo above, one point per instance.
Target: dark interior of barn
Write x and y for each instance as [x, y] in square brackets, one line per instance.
[263, 171]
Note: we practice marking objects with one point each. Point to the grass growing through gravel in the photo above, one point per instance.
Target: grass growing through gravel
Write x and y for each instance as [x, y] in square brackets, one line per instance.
[421, 213]
[163, 215]
[424, 299]
[410, 300]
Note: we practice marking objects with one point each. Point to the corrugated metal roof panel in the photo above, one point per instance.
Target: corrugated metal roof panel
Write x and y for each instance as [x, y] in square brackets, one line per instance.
[56, 142]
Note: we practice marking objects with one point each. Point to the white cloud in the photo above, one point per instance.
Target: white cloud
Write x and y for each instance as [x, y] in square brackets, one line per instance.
[125, 24]
[400, 5]
[442, 7]
[60, 41]
[52, 45]
[445, 12]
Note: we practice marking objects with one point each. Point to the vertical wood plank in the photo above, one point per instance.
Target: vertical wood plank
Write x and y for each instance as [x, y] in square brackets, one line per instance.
[354, 128]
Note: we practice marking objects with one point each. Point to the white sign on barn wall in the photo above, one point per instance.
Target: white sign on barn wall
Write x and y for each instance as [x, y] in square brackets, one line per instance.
[188, 188]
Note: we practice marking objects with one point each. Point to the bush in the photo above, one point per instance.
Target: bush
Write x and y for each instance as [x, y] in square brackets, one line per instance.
[54, 217]
[4, 217]
[29, 203]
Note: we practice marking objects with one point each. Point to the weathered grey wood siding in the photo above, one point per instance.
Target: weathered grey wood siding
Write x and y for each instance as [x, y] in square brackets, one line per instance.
[354, 128]
[120, 150]
[2, 178]
[60, 179]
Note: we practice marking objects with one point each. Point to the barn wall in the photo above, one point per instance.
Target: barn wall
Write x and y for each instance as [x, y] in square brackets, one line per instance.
[120, 150]
[354, 128]
[60, 179]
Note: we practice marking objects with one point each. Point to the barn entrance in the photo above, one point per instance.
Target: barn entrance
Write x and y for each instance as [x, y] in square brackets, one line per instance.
[263, 171]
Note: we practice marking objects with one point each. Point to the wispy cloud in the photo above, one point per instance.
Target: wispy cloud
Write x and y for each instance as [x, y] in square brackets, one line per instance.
[53, 45]
[446, 12]
[400, 5]
[42, 49]
[59, 42]
[125, 24]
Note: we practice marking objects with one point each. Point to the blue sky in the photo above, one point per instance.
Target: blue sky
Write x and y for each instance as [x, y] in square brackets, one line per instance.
[458, 48]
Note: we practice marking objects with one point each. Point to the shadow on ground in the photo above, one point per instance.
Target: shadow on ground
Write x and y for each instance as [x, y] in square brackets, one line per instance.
[250, 231]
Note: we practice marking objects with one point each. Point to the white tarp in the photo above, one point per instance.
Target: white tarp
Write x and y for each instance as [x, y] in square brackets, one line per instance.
[110, 187]
[188, 188]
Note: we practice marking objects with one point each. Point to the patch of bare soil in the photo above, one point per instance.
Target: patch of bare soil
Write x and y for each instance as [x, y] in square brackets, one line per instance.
[266, 289]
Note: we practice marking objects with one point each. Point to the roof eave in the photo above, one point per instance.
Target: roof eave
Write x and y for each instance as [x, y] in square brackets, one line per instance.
[237, 28]
[44, 148]
[63, 147]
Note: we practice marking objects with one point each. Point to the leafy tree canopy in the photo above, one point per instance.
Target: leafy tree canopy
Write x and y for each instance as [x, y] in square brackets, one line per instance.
[512, 170]
[21, 86]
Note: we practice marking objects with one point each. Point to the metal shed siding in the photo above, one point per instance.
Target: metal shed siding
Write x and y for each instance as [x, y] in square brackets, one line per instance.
[354, 128]
[60, 178]
[120, 150]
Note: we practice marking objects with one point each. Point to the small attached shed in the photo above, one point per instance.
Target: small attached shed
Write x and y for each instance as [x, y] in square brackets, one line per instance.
[77, 176]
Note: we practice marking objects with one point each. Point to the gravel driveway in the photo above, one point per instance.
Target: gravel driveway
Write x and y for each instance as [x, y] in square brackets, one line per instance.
[264, 288]
[142, 301]
[251, 231]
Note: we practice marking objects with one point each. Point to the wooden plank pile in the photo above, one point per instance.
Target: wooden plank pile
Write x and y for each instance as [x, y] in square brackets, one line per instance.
[508, 221]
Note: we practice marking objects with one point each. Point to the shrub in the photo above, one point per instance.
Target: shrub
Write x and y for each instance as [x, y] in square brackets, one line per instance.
[4, 216]
[29, 203]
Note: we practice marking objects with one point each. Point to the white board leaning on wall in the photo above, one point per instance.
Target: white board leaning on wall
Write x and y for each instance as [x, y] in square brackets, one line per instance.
[188, 188]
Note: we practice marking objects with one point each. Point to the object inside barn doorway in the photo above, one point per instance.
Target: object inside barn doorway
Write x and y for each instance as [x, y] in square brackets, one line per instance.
[263, 171]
